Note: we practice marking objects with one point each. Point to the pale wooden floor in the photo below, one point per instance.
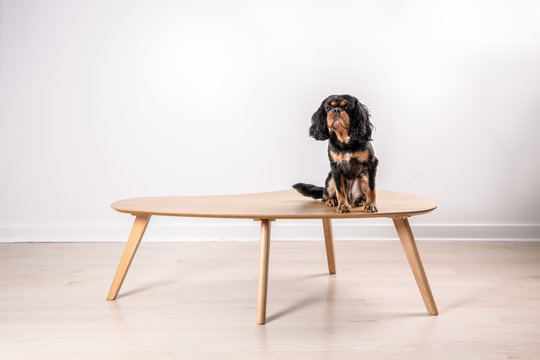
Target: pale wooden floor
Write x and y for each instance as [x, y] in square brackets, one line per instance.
[197, 301]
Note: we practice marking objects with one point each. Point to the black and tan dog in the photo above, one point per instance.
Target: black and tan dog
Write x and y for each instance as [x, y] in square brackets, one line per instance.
[353, 165]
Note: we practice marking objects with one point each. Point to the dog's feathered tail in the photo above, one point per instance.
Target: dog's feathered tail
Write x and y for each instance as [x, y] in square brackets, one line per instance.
[313, 191]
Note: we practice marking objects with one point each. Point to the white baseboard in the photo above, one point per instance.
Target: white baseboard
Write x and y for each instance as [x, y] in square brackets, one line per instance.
[286, 230]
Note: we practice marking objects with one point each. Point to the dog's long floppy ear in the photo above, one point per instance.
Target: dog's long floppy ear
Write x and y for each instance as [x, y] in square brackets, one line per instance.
[319, 128]
[361, 127]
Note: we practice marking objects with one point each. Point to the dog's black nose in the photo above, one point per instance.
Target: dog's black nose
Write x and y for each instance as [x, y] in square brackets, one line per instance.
[336, 111]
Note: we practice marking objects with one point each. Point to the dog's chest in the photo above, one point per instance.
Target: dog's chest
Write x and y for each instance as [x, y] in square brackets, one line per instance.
[350, 167]
[350, 164]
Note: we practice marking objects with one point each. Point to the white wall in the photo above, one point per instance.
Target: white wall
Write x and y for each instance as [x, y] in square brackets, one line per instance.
[103, 100]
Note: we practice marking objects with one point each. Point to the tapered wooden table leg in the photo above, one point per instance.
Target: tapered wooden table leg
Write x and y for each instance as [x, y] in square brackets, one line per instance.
[137, 232]
[263, 271]
[329, 242]
[409, 245]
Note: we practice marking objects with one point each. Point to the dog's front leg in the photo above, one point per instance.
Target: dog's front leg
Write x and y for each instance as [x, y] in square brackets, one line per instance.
[342, 187]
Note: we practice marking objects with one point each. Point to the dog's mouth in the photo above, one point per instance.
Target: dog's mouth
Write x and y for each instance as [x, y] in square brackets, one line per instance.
[338, 124]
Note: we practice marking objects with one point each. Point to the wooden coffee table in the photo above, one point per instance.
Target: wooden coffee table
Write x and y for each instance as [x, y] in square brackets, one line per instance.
[270, 206]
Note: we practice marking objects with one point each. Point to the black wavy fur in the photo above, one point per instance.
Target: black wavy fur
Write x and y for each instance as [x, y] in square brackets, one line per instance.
[312, 191]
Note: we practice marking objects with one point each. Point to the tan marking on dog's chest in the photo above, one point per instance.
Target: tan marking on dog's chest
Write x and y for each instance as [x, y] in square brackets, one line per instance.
[361, 156]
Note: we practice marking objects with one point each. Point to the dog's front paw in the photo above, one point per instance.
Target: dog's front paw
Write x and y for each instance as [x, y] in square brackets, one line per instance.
[370, 208]
[331, 202]
[344, 208]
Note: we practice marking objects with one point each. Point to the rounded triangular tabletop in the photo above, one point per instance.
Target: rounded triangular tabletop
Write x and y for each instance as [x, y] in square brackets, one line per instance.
[285, 204]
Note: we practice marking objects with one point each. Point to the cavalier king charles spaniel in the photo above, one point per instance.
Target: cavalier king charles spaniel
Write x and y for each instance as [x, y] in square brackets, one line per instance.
[353, 166]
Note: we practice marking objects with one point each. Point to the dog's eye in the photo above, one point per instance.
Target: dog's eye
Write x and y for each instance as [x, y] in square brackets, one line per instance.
[327, 107]
[347, 107]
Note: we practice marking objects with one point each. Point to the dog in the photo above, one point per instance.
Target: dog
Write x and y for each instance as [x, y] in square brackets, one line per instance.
[353, 166]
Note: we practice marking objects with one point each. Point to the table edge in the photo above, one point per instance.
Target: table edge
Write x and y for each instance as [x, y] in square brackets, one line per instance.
[351, 215]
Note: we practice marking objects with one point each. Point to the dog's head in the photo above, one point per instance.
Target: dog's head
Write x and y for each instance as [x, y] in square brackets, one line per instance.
[343, 115]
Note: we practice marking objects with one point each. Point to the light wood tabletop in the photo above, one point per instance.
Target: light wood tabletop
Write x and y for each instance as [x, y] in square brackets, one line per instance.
[285, 204]
[270, 206]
